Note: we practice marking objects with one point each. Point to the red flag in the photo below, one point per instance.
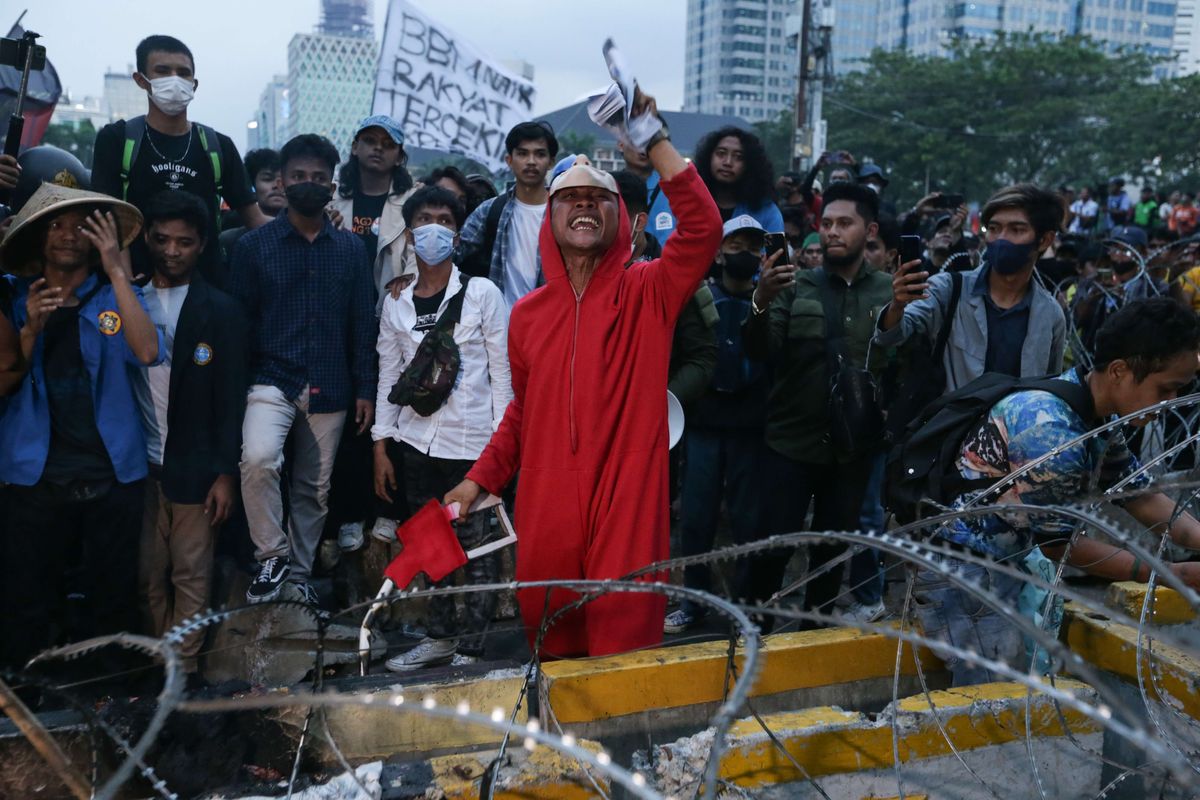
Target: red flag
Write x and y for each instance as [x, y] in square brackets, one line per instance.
[430, 546]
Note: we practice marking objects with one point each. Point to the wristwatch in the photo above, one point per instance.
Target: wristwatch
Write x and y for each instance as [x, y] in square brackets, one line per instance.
[663, 135]
[754, 309]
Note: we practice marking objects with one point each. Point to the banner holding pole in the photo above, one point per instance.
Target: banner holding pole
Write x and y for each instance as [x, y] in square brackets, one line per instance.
[445, 92]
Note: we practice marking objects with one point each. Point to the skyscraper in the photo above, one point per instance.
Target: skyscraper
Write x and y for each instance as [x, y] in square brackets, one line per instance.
[739, 60]
[270, 128]
[928, 27]
[347, 18]
[331, 74]
[123, 99]
[1187, 38]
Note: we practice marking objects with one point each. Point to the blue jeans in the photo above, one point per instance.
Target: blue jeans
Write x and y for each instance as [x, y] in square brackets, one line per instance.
[951, 615]
[866, 566]
[720, 464]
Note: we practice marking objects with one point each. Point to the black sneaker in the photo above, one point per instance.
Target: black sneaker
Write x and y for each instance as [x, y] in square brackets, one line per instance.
[308, 596]
[271, 575]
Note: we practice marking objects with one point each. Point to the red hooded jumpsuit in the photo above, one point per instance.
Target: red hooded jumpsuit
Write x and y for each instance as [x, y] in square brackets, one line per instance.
[588, 425]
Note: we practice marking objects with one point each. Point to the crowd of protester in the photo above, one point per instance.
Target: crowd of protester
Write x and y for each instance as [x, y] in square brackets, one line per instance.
[196, 343]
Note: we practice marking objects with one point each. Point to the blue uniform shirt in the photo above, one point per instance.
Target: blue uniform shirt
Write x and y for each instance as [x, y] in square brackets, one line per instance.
[25, 425]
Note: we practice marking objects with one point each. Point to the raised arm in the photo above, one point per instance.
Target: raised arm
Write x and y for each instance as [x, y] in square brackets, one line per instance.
[689, 252]
[143, 339]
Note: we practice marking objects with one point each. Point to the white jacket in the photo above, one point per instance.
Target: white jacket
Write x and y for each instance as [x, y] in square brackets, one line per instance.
[461, 428]
[393, 257]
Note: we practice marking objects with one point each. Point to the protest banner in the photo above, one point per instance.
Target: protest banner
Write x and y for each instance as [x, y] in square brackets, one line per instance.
[445, 92]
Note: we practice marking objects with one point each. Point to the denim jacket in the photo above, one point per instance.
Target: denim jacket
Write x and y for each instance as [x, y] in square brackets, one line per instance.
[966, 349]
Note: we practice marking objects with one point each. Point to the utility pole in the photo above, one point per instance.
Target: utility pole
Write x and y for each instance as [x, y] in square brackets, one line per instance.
[814, 75]
[802, 136]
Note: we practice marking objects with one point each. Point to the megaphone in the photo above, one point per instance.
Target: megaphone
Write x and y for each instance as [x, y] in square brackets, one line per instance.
[675, 420]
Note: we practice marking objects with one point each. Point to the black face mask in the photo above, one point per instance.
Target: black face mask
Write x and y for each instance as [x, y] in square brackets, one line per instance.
[308, 199]
[741, 266]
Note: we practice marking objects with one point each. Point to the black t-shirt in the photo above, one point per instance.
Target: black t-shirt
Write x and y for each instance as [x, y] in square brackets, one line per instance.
[368, 208]
[76, 450]
[427, 310]
[172, 162]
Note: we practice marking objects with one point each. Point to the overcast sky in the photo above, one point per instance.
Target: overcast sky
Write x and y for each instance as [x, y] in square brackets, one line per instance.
[240, 44]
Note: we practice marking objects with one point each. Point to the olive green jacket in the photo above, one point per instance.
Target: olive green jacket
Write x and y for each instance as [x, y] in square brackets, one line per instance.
[790, 336]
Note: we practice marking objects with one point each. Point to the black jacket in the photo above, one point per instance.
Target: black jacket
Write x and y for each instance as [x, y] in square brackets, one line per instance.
[207, 395]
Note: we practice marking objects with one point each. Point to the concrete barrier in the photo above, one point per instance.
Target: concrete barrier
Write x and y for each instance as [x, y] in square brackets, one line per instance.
[597, 689]
[852, 754]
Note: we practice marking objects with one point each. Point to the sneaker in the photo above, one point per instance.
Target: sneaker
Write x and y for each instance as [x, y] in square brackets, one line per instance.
[350, 536]
[679, 621]
[463, 660]
[864, 612]
[385, 530]
[308, 594]
[429, 653]
[271, 575]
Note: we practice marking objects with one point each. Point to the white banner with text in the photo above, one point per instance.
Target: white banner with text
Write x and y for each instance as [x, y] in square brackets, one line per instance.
[445, 93]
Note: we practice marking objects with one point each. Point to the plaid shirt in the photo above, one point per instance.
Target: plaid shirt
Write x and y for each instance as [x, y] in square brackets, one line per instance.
[473, 232]
[312, 312]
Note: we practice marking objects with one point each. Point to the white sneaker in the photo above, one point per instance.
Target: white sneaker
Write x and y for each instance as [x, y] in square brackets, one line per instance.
[861, 612]
[385, 530]
[350, 536]
[429, 653]
[461, 660]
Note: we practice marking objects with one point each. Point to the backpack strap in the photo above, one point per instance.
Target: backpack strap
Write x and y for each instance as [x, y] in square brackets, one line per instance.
[492, 224]
[653, 196]
[135, 131]
[212, 147]
[939, 348]
[453, 312]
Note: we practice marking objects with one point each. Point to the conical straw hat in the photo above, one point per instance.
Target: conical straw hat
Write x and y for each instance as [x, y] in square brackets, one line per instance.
[18, 253]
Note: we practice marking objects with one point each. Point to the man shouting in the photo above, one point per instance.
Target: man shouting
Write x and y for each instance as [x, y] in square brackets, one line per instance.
[587, 427]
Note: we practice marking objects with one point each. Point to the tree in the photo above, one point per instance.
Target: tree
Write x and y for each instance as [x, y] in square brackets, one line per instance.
[581, 144]
[77, 140]
[1015, 108]
[776, 136]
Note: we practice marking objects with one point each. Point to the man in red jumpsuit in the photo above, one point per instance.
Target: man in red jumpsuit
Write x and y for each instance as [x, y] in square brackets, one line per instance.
[587, 427]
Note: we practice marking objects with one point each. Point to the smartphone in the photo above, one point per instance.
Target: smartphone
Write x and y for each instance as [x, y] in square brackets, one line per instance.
[840, 157]
[950, 201]
[773, 243]
[911, 248]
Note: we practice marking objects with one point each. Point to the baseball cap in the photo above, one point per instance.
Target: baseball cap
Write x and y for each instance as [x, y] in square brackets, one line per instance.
[383, 121]
[564, 164]
[582, 173]
[872, 171]
[1128, 234]
[742, 222]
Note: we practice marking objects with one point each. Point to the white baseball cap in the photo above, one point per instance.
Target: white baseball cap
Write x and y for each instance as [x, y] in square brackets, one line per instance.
[742, 222]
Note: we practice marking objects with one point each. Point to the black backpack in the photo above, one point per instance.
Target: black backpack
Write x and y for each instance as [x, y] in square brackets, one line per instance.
[479, 263]
[427, 381]
[922, 465]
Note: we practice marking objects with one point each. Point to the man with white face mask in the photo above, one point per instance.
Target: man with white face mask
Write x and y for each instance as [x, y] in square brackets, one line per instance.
[136, 159]
[436, 451]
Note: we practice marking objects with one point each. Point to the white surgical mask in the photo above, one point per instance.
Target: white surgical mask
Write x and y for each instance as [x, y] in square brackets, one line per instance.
[434, 243]
[172, 94]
